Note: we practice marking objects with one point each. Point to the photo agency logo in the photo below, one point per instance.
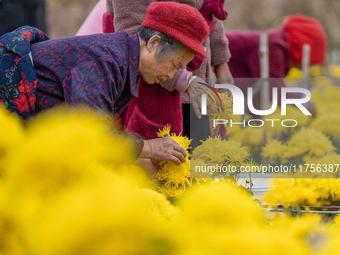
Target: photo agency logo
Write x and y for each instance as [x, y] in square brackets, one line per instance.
[239, 105]
[206, 88]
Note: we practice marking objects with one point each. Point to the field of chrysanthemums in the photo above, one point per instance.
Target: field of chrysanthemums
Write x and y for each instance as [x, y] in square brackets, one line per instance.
[70, 186]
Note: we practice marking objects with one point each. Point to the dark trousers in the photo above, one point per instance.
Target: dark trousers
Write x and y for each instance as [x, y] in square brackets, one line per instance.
[193, 127]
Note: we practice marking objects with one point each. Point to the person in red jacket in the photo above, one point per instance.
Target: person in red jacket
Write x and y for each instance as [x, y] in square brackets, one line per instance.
[285, 50]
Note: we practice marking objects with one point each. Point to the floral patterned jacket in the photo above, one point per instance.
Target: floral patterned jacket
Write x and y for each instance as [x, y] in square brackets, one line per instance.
[18, 80]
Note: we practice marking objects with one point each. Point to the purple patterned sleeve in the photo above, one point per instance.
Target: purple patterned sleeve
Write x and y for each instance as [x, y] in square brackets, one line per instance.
[82, 86]
[98, 70]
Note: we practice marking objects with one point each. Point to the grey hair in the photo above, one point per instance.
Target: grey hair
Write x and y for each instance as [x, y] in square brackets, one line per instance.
[168, 46]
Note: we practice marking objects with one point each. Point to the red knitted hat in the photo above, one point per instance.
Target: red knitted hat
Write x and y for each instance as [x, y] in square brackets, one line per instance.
[300, 30]
[179, 21]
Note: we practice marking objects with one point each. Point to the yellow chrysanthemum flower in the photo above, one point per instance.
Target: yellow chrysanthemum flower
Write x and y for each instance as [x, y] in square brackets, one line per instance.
[217, 151]
[250, 137]
[334, 70]
[174, 176]
[233, 130]
[224, 112]
[274, 148]
[317, 71]
[164, 131]
[309, 141]
[294, 72]
[251, 167]
[255, 136]
[182, 140]
[327, 123]
[303, 191]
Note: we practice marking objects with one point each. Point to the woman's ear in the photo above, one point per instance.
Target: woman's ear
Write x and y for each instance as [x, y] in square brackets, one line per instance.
[153, 43]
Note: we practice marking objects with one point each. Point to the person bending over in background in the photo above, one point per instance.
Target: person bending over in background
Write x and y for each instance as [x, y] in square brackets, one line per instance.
[285, 50]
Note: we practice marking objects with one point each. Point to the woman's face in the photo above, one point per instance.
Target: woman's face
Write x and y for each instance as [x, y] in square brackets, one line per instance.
[153, 72]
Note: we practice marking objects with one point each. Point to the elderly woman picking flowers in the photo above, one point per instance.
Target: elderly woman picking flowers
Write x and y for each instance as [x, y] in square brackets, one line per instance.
[101, 70]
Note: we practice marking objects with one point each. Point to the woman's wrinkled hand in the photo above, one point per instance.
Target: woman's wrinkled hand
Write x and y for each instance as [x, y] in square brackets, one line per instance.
[161, 149]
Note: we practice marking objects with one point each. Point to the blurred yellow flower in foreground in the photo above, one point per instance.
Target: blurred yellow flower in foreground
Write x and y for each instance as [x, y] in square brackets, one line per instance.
[11, 132]
[209, 205]
[69, 186]
[73, 195]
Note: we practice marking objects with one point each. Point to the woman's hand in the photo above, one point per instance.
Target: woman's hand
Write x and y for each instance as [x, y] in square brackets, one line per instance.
[195, 87]
[195, 92]
[161, 149]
